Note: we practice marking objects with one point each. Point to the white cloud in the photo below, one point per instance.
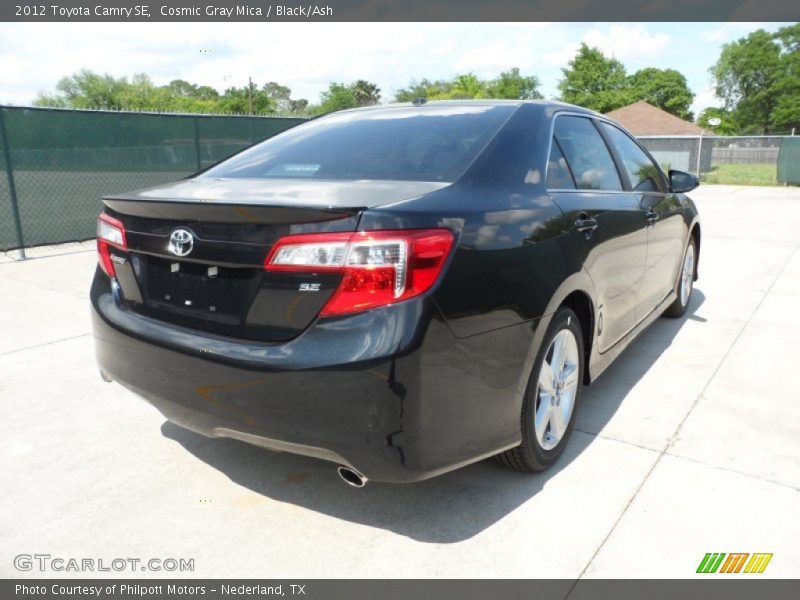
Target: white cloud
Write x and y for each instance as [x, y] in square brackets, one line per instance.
[715, 34]
[307, 56]
[629, 42]
[704, 99]
[724, 32]
[486, 235]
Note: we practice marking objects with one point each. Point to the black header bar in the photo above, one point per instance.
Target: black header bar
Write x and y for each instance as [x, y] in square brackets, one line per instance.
[398, 10]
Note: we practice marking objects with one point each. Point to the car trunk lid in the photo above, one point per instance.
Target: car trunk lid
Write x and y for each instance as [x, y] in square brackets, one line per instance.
[212, 277]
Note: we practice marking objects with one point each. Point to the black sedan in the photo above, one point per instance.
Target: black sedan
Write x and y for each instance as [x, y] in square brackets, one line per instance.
[401, 290]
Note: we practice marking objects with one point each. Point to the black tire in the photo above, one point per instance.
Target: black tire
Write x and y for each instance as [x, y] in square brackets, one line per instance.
[678, 308]
[530, 456]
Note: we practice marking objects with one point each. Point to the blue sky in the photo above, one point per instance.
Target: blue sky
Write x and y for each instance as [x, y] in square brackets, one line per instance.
[306, 56]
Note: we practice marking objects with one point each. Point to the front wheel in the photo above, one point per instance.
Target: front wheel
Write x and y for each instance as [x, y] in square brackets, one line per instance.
[685, 283]
[552, 397]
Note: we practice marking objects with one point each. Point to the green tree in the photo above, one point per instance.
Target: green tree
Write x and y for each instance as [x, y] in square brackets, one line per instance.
[142, 94]
[86, 89]
[665, 88]
[239, 100]
[178, 88]
[725, 126]
[341, 96]
[187, 97]
[510, 84]
[281, 97]
[595, 81]
[758, 79]
[424, 88]
[467, 86]
[338, 96]
[365, 93]
[787, 110]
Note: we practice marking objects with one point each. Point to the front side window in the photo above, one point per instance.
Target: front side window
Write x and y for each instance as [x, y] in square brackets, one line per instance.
[642, 172]
[587, 154]
[428, 143]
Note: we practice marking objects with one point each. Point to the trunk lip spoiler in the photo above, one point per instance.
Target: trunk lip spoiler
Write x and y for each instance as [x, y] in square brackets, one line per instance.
[335, 195]
[268, 214]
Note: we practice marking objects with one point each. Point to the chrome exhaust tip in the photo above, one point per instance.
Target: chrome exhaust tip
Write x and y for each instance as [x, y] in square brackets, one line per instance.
[352, 477]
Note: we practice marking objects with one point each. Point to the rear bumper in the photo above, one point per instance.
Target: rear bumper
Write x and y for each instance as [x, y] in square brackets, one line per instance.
[371, 391]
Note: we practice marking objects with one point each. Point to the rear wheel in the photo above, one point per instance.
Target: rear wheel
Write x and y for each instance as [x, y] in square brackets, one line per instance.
[685, 283]
[552, 397]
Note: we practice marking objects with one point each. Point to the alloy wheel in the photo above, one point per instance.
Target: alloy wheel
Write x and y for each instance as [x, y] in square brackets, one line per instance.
[556, 390]
[687, 275]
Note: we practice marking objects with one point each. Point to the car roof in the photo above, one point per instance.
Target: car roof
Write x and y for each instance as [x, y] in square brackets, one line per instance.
[477, 102]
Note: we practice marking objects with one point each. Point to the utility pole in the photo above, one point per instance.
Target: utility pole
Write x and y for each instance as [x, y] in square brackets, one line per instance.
[699, 151]
[250, 93]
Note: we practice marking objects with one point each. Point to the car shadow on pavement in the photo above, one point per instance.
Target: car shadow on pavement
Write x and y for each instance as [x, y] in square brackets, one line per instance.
[447, 509]
[602, 399]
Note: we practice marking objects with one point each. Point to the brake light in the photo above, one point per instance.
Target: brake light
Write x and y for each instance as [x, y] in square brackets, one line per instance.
[378, 267]
[110, 232]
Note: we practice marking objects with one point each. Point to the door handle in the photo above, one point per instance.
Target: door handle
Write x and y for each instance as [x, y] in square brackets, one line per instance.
[651, 216]
[585, 224]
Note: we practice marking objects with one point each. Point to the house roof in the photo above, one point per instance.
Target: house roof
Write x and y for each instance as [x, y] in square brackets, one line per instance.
[641, 118]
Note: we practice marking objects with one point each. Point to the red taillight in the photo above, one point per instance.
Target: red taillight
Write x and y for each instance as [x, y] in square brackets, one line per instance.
[378, 267]
[110, 232]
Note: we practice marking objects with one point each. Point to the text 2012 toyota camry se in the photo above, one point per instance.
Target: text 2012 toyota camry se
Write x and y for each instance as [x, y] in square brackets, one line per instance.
[401, 290]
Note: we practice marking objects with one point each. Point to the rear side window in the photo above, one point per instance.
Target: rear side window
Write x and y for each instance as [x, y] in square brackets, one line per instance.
[587, 154]
[642, 172]
[558, 175]
[433, 143]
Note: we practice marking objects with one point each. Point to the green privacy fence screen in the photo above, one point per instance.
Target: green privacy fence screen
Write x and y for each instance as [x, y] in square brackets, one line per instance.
[56, 164]
[789, 160]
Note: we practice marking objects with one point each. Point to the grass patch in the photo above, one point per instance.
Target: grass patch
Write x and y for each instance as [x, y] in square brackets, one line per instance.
[740, 174]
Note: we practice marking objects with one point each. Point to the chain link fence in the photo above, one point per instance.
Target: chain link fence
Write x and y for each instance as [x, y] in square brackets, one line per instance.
[56, 164]
[735, 160]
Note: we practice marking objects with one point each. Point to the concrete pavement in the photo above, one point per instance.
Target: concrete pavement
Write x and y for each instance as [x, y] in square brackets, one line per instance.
[689, 444]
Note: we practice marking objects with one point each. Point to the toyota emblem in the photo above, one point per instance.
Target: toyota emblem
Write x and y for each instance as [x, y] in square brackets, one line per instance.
[181, 242]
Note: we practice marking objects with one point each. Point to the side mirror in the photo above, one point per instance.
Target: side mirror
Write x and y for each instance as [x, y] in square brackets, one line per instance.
[681, 181]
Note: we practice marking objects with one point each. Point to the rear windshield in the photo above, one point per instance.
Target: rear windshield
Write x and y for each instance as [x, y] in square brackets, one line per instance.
[411, 144]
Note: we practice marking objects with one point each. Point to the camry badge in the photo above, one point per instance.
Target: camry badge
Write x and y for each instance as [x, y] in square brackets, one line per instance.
[181, 242]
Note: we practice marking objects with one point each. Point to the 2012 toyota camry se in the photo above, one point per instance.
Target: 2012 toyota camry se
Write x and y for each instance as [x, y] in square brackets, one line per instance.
[400, 290]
